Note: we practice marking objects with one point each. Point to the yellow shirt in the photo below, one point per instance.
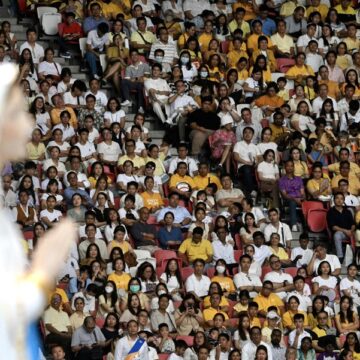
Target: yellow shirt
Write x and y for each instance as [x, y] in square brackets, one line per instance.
[309, 93]
[335, 168]
[61, 292]
[288, 8]
[234, 56]
[244, 27]
[209, 313]
[252, 42]
[223, 302]
[226, 283]
[124, 246]
[333, 88]
[304, 70]
[55, 116]
[266, 74]
[152, 200]
[159, 164]
[349, 11]
[34, 152]
[137, 161]
[202, 250]
[240, 308]
[204, 40]
[322, 9]
[314, 185]
[255, 321]
[281, 253]
[182, 40]
[114, 52]
[354, 184]
[301, 168]
[344, 61]
[277, 131]
[58, 319]
[264, 303]
[270, 58]
[352, 44]
[147, 35]
[243, 74]
[284, 94]
[202, 182]
[121, 281]
[176, 179]
[288, 319]
[249, 9]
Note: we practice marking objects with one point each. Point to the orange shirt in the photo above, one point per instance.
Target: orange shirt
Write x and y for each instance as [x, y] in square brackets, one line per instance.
[275, 101]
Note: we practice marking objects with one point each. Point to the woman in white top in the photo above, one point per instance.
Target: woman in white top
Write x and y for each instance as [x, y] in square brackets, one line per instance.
[127, 176]
[267, 144]
[324, 281]
[188, 69]
[49, 67]
[42, 117]
[297, 98]
[6, 27]
[254, 85]
[330, 41]
[171, 277]
[174, 7]
[301, 120]
[66, 81]
[248, 206]
[57, 140]
[255, 267]
[114, 113]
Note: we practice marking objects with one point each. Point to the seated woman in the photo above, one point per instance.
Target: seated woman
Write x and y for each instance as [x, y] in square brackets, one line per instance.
[254, 85]
[248, 229]
[134, 287]
[300, 70]
[319, 185]
[49, 67]
[97, 273]
[152, 199]
[324, 282]
[301, 120]
[148, 279]
[248, 207]
[77, 212]
[132, 310]
[108, 300]
[288, 316]
[221, 277]
[171, 277]
[161, 289]
[301, 168]
[120, 241]
[200, 221]
[52, 189]
[119, 276]
[215, 288]
[222, 142]
[268, 175]
[270, 101]
[255, 267]
[346, 320]
[352, 343]
[278, 250]
[162, 316]
[169, 235]
[92, 253]
[316, 153]
[102, 186]
[188, 317]
[110, 330]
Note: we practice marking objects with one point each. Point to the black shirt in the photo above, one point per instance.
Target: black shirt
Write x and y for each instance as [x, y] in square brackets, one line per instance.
[208, 120]
[342, 219]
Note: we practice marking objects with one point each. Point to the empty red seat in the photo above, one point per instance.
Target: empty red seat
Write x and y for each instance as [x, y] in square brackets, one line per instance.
[161, 255]
[188, 339]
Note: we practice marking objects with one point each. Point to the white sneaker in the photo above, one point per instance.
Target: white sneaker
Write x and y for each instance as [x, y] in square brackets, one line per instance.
[294, 228]
[97, 77]
[126, 103]
[141, 110]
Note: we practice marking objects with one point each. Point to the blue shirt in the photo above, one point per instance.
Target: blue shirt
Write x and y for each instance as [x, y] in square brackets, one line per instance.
[69, 192]
[180, 213]
[164, 236]
[90, 23]
[268, 26]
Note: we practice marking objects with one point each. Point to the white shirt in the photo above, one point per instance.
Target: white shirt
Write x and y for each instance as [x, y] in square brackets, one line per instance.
[353, 287]
[303, 41]
[37, 51]
[60, 166]
[73, 100]
[318, 102]
[222, 251]
[125, 344]
[196, 7]
[347, 118]
[305, 300]
[49, 68]
[268, 170]
[68, 132]
[243, 279]
[301, 336]
[315, 61]
[247, 152]
[279, 277]
[249, 350]
[110, 152]
[114, 117]
[199, 287]
[157, 84]
[306, 256]
[331, 282]
[191, 164]
[101, 100]
[97, 42]
[55, 215]
[62, 87]
[82, 233]
[283, 231]
[122, 213]
[86, 149]
[333, 260]
[261, 253]
[223, 355]
[81, 177]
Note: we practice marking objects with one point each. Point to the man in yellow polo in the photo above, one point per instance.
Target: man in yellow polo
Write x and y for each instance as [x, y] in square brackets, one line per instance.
[196, 248]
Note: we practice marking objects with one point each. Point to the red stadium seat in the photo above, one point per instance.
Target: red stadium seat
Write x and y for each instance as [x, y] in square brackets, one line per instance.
[265, 270]
[161, 255]
[316, 220]
[186, 272]
[188, 339]
[308, 205]
[291, 271]
[238, 242]
[163, 356]
[210, 272]
[285, 64]
[28, 235]
[237, 255]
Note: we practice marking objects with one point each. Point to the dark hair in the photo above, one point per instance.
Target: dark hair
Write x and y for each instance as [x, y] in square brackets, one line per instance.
[357, 343]
[177, 271]
[141, 268]
[349, 315]
[241, 330]
[117, 324]
[130, 308]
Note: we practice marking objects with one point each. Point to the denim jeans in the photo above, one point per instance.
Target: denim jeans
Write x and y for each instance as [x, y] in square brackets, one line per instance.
[92, 61]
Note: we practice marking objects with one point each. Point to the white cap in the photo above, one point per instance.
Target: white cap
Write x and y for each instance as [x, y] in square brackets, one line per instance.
[226, 119]
[272, 315]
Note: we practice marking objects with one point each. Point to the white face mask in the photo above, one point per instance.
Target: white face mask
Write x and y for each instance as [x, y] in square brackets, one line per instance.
[109, 289]
[184, 59]
[89, 297]
[159, 58]
[161, 292]
[220, 269]
[203, 74]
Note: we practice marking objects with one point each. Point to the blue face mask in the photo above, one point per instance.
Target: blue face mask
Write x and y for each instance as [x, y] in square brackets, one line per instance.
[184, 59]
[134, 288]
[159, 59]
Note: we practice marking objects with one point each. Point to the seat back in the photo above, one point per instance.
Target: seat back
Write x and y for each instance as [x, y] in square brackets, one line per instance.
[82, 44]
[41, 10]
[186, 272]
[265, 270]
[316, 220]
[161, 255]
[103, 62]
[307, 205]
[49, 23]
[291, 271]
[188, 339]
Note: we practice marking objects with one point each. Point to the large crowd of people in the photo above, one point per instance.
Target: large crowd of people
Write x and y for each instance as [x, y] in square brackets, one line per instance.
[187, 249]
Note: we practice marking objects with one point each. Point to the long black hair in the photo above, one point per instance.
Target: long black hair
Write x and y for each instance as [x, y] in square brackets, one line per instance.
[177, 271]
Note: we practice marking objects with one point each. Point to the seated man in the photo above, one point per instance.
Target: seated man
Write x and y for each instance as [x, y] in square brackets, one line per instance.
[228, 195]
[196, 248]
[181, 183]
[90, 231]
[183, 157]
[97, 42]
[268, 298]
[354, 184]
[58, 329]
[198, 284]
[135, 74]
[142, 39]
[158, 91]
[324, 333]
[320, 255]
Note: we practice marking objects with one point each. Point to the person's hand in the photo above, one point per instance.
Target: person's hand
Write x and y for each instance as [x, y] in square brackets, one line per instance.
[298, 258]
[298, 332]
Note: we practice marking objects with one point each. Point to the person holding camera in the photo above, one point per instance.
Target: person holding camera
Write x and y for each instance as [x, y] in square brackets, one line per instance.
[88, 341]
